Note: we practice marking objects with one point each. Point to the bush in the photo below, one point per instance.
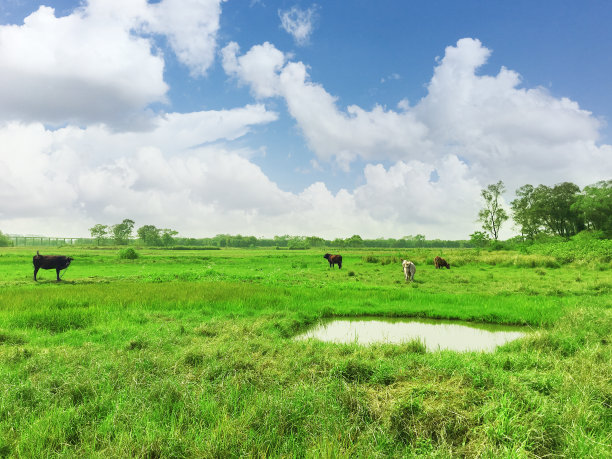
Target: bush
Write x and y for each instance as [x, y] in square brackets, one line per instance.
[128, 254]
[5, 241]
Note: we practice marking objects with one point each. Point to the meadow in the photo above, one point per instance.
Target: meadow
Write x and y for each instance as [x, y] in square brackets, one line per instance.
[189, 353]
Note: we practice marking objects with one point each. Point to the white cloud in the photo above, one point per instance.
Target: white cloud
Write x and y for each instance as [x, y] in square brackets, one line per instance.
[501, 130]
[191, 27]
[95, 173]
[60, 185]
[259, 67]
[298, 23]
[98, 64]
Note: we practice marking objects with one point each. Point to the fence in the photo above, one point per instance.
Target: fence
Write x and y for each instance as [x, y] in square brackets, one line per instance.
[41, 241]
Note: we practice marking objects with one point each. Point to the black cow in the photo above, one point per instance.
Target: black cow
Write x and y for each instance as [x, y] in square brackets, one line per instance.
[334, 259]
[57, 262]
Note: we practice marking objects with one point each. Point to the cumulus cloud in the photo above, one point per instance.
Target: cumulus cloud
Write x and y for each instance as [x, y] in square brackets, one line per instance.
[99, 63]
[97, 173]
[259, 67]
[298, 23]
[330, 132]
[424, 163]
[505, 131]
[191, 27]
[501, 131]
[210, 188]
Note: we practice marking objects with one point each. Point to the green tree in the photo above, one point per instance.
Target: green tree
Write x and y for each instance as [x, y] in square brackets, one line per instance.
[492, 215]
[525, 212]
[99, 232]
[122, 231]
[553, 208]
[419, 240]
[479, 238]
[594, 205]
[5, 241]
[149, 235]
[353, 241]
[282, 241]
[167, 237]
[338, 242]
[314, 241]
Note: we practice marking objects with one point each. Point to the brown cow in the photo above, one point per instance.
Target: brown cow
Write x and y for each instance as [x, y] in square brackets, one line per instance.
[441, 263]
[333, 259]
[57, 262]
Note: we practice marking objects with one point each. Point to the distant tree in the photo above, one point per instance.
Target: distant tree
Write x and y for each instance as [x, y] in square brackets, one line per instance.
[353, 241]
[314, 241]
[525, 212]
[99, 232]
[282, 241]
[419, 240]
[594, 205]
[492, 215]
[221, 240]
[338, 242]
[167, 237]
[479, 238]
[122, 231]
[5, 241]
[297, 242]
[149, 235]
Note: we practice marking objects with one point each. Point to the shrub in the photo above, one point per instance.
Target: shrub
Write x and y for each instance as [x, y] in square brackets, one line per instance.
[5, 241]
[128, 254]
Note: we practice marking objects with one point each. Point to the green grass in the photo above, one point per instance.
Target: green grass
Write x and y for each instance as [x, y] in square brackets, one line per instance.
[189, 354]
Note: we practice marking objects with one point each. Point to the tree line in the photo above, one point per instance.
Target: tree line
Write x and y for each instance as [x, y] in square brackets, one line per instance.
[562, 210]
[122, 234]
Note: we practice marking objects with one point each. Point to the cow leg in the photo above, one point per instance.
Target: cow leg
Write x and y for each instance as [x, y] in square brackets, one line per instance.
[57, 270]
[35, 271]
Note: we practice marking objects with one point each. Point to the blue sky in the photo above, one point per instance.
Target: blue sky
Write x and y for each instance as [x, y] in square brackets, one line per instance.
[335, 118]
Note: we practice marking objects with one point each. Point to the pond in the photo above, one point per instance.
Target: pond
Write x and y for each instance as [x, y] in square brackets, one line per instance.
[434, 334]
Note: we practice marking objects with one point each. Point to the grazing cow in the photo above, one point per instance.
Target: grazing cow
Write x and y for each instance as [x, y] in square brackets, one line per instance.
[57, 262]
[441, 263]
[409, 270]
[333, 259]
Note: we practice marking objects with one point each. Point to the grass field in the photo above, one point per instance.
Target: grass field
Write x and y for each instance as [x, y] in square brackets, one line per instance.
[190, 354]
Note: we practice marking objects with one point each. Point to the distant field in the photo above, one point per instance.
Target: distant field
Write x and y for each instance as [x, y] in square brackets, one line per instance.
[190, 353]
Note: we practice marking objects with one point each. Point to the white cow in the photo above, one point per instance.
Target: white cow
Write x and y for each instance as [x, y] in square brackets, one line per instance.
[409, 270]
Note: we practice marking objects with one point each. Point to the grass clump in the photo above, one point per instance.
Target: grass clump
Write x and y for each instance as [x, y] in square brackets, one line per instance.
[128, 254]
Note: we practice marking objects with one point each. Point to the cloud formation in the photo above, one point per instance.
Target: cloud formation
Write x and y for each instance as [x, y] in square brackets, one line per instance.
[298, 23]
[100, 63]
[499, 129]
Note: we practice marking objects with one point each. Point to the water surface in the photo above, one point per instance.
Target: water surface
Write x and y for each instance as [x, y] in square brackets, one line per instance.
[434, 334]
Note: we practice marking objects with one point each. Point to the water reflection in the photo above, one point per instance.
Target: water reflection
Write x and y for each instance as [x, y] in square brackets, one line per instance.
[434, 334]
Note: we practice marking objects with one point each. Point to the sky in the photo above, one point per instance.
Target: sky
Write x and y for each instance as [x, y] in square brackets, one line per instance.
[259, 117]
